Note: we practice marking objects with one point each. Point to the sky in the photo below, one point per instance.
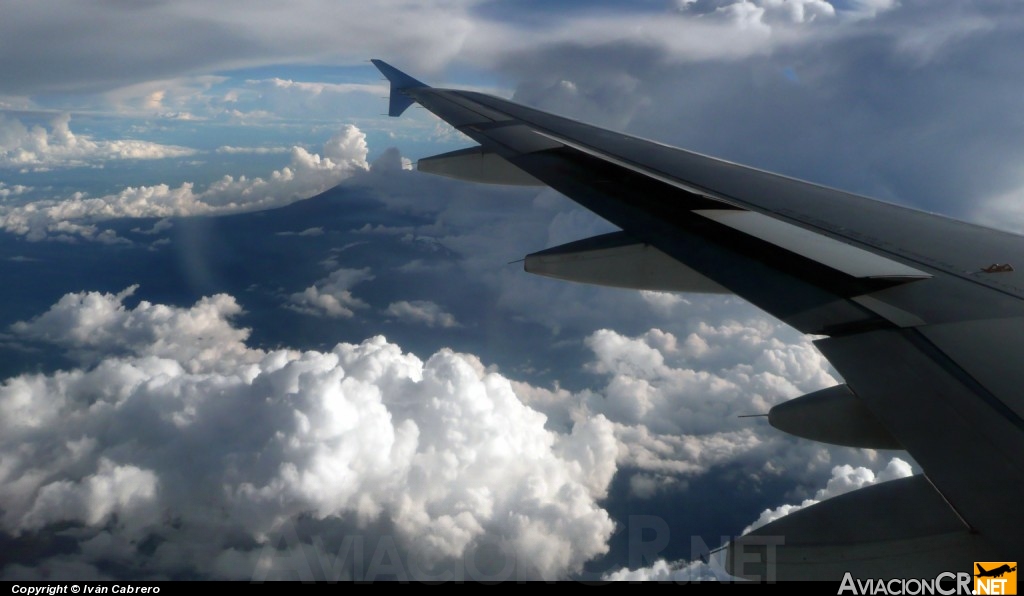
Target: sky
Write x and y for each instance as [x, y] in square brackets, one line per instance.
[244, 339]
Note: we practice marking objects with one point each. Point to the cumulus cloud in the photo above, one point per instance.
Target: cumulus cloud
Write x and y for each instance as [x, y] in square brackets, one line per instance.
[306, 175]
[7, 191]
[699, 384]
[184, 439]
[90, 325]
[663, 302]
[423, 312]
[24, 147]
[674, 402]
[331, 296]
[391, 160]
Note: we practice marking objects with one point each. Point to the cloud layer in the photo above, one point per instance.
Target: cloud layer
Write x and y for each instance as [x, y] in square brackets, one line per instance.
[426, 35]
[306, 175]
[36, 147]
[363, 437]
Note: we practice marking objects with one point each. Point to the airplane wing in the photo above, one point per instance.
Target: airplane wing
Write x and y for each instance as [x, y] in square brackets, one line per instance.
[922, 315]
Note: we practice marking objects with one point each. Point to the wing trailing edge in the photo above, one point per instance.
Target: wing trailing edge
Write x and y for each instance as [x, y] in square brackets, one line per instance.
[898, 529]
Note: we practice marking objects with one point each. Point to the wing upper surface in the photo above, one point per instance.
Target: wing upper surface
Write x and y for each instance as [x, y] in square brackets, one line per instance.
[924, 314]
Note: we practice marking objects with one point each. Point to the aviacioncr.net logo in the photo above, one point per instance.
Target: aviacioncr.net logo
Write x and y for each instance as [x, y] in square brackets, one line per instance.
[946, 583]
[999, 577]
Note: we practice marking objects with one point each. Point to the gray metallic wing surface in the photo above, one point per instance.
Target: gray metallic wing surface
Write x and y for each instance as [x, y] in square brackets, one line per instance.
[923, 315]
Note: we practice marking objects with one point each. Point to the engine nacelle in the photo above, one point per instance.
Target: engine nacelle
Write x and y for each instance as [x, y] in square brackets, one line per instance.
[834, 415]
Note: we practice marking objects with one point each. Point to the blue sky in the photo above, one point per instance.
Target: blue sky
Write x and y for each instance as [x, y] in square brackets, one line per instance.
[244, 331]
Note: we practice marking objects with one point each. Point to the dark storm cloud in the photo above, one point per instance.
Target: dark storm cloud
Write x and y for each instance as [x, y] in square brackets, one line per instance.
[60, 46]
[919, 105]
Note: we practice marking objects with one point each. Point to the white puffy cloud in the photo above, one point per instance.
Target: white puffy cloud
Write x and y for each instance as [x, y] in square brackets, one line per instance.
[13, 190]
[700, 384]
[306, 175]
[331, 296]
[423, 312]
[210, 452]
[664, 457]
[674, 403]
[24, 147]
[90, 325]
[112, 489]
[663, 302]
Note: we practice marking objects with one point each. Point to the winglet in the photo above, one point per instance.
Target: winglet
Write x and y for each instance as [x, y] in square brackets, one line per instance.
[399, 81]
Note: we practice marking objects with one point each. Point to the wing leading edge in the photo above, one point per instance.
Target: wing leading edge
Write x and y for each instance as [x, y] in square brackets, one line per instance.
[922, 317]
